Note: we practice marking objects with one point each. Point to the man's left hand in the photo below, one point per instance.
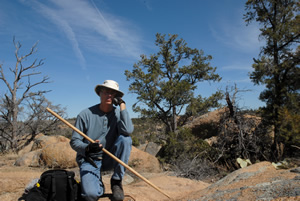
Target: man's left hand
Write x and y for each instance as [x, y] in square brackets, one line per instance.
[118, 101]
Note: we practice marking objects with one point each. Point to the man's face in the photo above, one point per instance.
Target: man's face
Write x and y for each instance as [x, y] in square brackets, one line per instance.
[107, 95]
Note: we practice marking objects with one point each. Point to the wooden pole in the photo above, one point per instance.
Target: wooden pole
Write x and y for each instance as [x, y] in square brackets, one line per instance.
[107, 152]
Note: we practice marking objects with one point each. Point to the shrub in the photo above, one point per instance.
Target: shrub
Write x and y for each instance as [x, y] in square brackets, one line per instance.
[188, 155]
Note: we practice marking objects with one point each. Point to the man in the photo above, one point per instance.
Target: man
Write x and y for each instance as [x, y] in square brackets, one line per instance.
[110, 128]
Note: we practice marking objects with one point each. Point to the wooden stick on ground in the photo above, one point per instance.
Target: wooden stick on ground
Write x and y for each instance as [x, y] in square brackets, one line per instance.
[107, 152]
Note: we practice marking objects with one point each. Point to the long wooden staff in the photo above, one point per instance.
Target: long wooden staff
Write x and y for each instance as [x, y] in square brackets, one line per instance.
[107, 152]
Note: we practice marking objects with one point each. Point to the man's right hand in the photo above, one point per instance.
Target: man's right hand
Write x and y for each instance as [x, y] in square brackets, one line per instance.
[93, 148]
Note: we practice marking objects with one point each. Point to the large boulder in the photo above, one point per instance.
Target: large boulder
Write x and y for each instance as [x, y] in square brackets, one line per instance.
[42, 141]
[260, 181]
[55, 152]
[152, 148]
[48, 151]
[58, 155]
[143, 162]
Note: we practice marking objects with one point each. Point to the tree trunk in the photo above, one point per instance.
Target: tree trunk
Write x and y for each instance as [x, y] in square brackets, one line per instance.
[174, 120]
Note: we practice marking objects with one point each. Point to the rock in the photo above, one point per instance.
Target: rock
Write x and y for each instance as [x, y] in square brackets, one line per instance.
[58, 155]
[260, 181]
[55, 152]
[126, 180]
[152, 148]
[142, 147]
[296, 170]
[143, 162]
[42, 141]
[49, 151]
[26, 149]
[30, 159]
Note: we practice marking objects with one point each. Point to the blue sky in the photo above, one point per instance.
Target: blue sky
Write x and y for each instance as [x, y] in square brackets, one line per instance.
[85, 42]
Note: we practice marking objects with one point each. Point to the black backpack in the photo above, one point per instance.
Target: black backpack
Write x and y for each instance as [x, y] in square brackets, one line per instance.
[55, 185]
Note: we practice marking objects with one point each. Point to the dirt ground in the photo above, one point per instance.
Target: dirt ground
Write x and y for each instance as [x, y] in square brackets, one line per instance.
[14, 179]
[257, 182]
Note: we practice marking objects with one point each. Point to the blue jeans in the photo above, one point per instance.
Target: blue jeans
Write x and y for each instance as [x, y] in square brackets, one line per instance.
[91, 182]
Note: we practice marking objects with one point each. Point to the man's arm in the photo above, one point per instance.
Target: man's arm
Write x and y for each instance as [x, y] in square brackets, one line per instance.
[125, 125]
[76, 141]
[122, 106]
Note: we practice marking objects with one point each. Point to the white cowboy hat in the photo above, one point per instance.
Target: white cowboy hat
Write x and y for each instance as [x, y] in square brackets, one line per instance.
[110, 84]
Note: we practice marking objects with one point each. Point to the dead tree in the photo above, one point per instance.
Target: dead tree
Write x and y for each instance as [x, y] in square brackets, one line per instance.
[19, 92]
[237, 137]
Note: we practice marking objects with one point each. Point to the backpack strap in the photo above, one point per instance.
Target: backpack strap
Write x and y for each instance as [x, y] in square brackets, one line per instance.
[72, 192]
[53, 188]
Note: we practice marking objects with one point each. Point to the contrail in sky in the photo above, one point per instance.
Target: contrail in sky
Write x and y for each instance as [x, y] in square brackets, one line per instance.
[65, 26]
[106, 24]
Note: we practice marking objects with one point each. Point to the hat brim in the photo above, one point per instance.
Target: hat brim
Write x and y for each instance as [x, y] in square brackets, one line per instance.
[100, 86]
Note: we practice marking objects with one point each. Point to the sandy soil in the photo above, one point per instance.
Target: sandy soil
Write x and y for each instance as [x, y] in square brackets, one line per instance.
[260, 181]
[14, 179]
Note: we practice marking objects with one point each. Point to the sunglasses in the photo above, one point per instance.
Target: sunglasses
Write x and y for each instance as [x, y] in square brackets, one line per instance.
[108, 92]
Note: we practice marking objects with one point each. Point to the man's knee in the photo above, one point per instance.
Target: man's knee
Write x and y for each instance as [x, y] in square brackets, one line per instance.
[125, 140]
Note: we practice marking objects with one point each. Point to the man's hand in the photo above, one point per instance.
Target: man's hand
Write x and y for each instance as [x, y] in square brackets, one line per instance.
[93, 148]
[118, 101]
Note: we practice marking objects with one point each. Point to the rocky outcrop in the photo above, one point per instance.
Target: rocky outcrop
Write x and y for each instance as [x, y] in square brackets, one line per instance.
[260, 181]
[48, 151]
[30, 159]
[55, 152]
[143, 162]
[58, 155]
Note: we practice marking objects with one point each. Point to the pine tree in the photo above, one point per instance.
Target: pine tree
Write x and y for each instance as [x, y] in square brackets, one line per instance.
[278, 64]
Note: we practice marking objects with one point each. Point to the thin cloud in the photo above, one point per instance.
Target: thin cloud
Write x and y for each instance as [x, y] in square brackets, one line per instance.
[237, 35]
[95, 26]
[86, 27]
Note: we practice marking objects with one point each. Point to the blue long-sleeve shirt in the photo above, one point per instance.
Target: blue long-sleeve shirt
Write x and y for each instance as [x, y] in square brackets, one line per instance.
[101, 126]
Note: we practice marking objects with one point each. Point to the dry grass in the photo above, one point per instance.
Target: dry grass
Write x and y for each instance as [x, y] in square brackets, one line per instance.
[13, 179]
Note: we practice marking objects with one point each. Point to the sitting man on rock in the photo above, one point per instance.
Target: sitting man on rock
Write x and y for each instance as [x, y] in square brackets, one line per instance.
[110, 127]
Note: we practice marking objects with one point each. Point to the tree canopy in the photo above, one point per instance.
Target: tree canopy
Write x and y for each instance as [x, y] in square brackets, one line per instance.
[278, 64]
[165, 82]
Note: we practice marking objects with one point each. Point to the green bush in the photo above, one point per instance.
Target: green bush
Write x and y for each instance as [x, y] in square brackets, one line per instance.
[189, 156]
[289, 131]
[135, 141]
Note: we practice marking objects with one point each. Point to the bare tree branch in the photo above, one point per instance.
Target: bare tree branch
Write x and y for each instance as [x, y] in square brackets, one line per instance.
[24, 101]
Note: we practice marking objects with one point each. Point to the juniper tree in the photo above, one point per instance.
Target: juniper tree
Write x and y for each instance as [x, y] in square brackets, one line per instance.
[165, 82]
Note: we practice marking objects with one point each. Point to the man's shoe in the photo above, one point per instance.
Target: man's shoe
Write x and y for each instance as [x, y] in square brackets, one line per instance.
[117, 190]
